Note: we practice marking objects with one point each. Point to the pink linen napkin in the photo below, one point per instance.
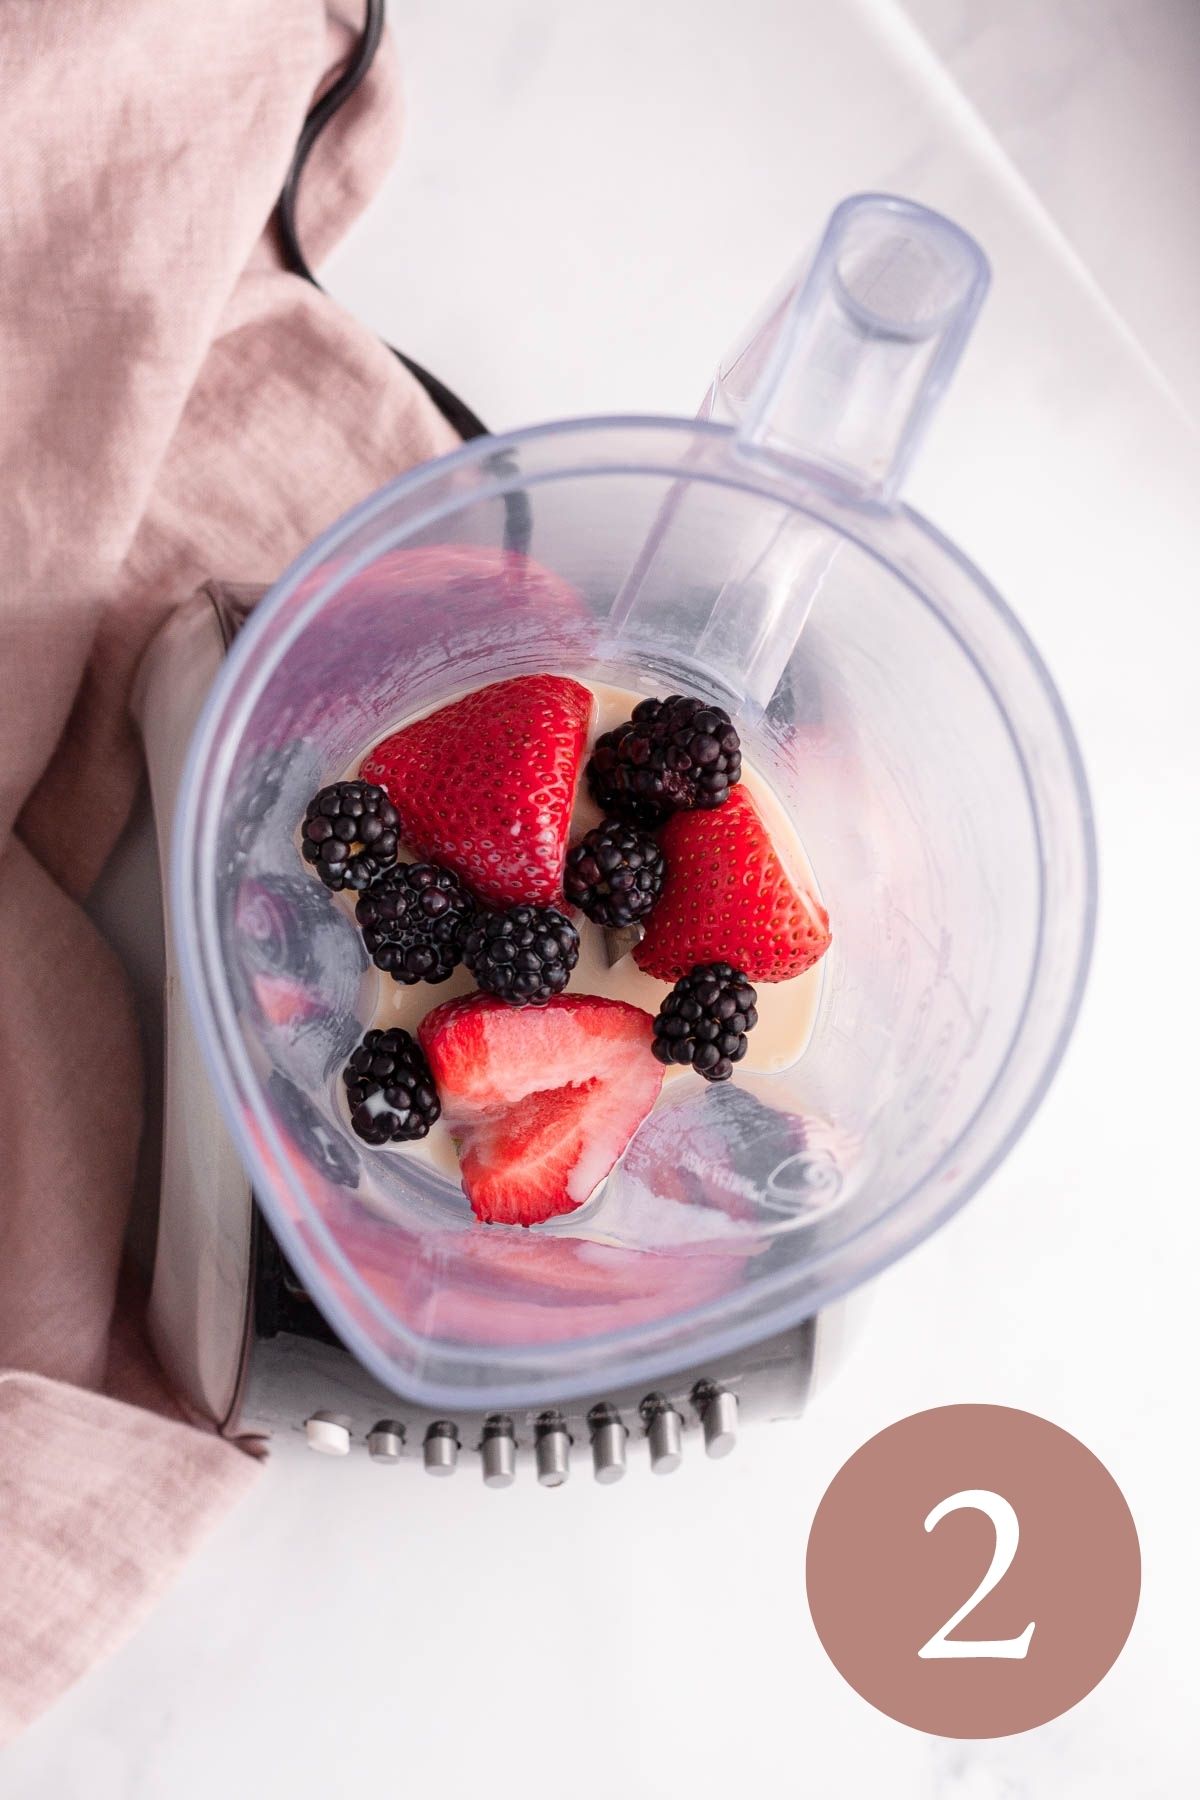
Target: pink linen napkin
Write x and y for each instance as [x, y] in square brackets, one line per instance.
[172, 406]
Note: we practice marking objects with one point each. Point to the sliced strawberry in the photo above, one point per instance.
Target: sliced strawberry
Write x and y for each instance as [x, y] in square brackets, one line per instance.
[543, 1100]
[515, 1165]
[283, 1001]
[728, 898]
[485, 786]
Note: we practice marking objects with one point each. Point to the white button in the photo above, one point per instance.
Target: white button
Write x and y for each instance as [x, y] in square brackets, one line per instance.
[327, 1435]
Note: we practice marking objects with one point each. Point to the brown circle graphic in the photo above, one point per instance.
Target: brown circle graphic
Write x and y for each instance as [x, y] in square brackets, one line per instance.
[943, 1540]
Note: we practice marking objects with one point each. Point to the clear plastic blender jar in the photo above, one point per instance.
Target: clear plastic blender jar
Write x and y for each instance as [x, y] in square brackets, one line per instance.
[758, 557]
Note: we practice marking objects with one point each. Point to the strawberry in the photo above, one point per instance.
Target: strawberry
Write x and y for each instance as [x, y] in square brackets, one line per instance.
[485, 785]
[728, 898]
[542, 1100]
[283, 1001]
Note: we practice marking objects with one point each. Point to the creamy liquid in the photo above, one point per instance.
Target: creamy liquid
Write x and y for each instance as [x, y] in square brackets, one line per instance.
[786, 1009]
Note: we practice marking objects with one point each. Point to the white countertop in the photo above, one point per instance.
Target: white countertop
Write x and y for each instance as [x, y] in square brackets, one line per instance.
[590, 204]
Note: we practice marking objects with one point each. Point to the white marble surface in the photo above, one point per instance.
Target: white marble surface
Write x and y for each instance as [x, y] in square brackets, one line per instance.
[591, 202]
[1095, 102]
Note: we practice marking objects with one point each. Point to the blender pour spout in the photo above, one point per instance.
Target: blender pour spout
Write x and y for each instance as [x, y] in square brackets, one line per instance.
[847, 370]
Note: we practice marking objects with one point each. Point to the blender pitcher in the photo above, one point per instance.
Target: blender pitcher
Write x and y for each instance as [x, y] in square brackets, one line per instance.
[758, 557]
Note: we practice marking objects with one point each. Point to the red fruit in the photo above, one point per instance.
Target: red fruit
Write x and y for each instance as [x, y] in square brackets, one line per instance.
[283, 1001]
[728, 898]
[543, 1100]
[485, 785]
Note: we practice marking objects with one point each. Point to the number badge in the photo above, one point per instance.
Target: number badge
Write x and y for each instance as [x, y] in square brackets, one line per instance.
[973, 1571]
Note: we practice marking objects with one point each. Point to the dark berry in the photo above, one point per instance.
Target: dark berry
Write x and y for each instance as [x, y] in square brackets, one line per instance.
[615, 875]
[672, 754]
[324, 1147]
[412, 919]
[390, 1089]
[350, 834]
[254, 793]
[704, 1020]
[278, 919]
[524, 955]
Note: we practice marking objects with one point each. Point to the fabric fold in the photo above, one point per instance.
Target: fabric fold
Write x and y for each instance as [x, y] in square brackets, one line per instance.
[173, 405]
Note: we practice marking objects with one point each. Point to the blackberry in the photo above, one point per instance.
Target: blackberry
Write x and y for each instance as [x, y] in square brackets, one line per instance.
[672, 754]
[277, 920]
[704, 1020]
[615, 875]
[256, 793]
[325, 1149]
[389, 1068]
[524, 955]
[350, 834]
[412, 919]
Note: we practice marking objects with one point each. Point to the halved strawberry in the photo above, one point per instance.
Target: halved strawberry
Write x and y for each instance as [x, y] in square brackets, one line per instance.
[543, 1100]
[728, 898]
[485, 785]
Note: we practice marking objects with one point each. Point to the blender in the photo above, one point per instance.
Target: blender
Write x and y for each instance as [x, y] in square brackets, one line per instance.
[758, 557]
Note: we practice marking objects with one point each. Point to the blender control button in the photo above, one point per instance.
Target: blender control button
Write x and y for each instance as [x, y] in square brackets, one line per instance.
[664, 1432]
[718, 1410]
[608, 1443]
[385, 1441]
[327, 1434]
[552, 1450]
[498, 1448]
[441, 1448]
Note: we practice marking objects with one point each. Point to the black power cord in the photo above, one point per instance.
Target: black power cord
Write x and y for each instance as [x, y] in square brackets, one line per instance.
[455, 411]
[518, 515]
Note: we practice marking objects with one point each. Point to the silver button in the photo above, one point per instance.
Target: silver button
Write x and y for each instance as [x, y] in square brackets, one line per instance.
[552, 1450]
[327, 1434]
[385, 1441]
[499, 1451]
[608, 1444]
[664, 1432]
[441, 1448]
[719, 1416]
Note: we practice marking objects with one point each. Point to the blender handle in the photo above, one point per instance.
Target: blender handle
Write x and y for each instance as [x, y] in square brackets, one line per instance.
[846, 370]
[833, 388]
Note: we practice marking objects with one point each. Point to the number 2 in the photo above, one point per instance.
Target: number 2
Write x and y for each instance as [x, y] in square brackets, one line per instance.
[1008, 1532]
